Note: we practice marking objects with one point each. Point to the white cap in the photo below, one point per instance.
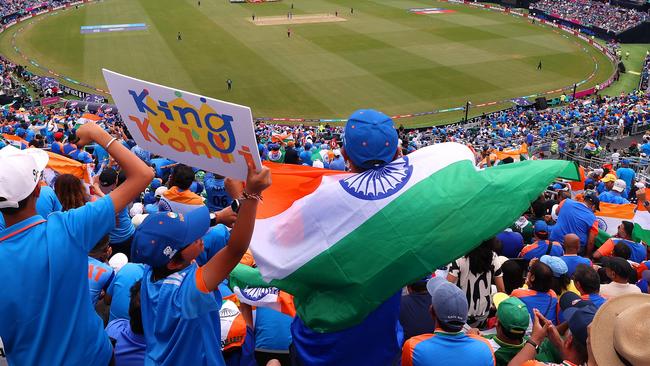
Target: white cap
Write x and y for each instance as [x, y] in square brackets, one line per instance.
[118, 261]
[554, 212]
[20, 172]
[318, 164]
[619, 185]
[136, 209]
[640, 185]
[337, 152]
[160, 191]
[138, 219]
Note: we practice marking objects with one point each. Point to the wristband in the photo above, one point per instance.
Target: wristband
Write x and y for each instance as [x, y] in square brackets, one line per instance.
[251, 196]
[532, 343]
[109, 143]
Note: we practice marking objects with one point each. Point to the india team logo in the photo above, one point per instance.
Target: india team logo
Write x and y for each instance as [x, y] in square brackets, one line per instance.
[602, 224]
[381, 182]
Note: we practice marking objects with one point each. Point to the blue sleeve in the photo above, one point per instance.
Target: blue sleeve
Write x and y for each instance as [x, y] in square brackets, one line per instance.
[215, 240]
[89, 223]
[191, 301]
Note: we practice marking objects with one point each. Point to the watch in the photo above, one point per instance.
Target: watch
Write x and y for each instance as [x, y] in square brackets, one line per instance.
[235, 205]
[646, 203]
[532, 343]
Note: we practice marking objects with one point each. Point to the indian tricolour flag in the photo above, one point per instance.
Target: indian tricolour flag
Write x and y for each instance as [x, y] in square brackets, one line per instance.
[343, 243]
[611, 215]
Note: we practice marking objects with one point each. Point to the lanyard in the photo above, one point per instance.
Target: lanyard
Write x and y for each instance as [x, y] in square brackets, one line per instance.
[21, 230]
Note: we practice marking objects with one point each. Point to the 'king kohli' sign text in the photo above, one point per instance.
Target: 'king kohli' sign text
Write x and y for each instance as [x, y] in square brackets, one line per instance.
[198, 131]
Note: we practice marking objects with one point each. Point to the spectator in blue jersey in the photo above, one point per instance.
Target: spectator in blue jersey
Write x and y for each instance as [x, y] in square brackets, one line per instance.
[45, 330]
[587, 282]
[560, 281]
[639, 251]
[272, 336]
[578, 218]
[215, 187]
[118, 294]
[100, 274]
[179, 198]
[571, 257]
[46, 203]
[539, 294]
[615, 195]
[511, 243]
[122, 234]
[180, 301]
[338, 163]
[370, 141]
[162, 166]
[541, 246]
[128, 333]
[627, 174]
[414, 307]
[448, 345]
[154, 206]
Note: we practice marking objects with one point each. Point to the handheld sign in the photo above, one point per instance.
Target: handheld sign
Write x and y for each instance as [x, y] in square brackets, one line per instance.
[201, 132]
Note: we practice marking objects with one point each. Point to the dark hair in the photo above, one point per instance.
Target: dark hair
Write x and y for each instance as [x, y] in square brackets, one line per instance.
[163, 271]
[510, 335]
[539, 207]
[513, 275]
[560, 284]
[621, 250]
[628, 227]
[480, 258]
[100, 248]
[70, 191]
[135, 312]
[543, 281]
[588, 278]
[542, 235]
[14, 210]
[419, 286]
[182, 177]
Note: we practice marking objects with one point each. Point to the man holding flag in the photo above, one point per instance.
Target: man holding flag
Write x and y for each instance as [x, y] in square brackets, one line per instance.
[370, 141]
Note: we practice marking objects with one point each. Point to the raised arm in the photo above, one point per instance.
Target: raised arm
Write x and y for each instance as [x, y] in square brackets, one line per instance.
[218, 268]
[138, 175]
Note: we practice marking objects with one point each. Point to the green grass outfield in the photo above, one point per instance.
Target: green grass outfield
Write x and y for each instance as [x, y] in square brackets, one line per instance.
[382, 57]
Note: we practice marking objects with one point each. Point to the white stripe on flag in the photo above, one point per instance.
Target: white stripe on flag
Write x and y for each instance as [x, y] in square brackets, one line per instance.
[283, 243]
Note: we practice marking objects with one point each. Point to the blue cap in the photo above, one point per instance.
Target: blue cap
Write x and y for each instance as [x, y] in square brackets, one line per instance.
[448, 302]
[155, 183]
[84, 157]
[20, 132]
[541, 227]
[558, 266]
[370, 136]
[624, 161]
[579, 316]
[196, 187]
[162, 235]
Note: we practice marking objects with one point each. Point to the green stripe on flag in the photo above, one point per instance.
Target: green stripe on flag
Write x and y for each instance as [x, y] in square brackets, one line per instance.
[640, 234]
[436, 221]
[601, 238]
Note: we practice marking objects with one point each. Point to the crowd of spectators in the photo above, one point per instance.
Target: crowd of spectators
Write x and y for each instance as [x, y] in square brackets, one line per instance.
[24, 7]
[526, 296]
[595, 13]
[131, 266]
